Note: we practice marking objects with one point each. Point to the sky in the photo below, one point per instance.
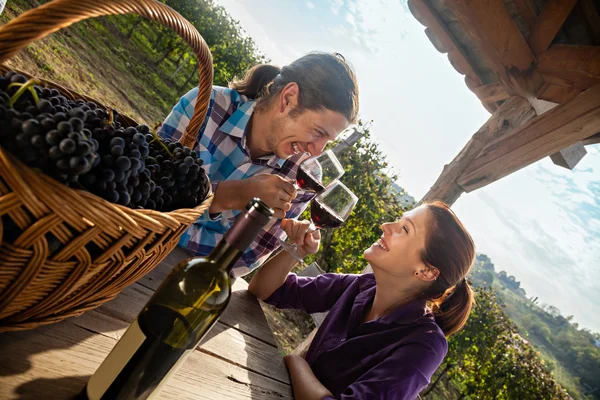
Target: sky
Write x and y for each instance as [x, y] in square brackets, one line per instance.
[540, 224]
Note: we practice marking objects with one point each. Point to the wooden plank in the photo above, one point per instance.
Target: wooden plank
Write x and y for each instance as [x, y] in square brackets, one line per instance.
[424, 12]
[592, 18]
[570, 60]
[222, 341]
[570, 79]
[594, 139]
[558, 94]
[527, 11]
[55, 362]
[500, 41]
[491, 93]
[544, 135]
[514, 112]
[244, 312]
[445, 42]
[551, 19]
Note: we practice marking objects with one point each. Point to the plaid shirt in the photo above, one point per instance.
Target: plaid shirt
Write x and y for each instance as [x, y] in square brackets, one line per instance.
[222, 146]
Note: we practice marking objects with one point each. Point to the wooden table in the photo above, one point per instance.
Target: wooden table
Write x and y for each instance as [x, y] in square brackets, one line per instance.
[239, 358]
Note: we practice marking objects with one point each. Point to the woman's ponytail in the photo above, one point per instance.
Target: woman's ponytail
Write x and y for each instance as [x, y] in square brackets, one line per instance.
[256, 81]
[452, 309]
[450, 249]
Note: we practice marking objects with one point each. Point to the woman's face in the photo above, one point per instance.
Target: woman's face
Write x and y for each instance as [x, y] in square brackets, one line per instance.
[398, 251]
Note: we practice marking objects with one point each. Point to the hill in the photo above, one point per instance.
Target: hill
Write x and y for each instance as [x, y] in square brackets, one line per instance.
[572, 354]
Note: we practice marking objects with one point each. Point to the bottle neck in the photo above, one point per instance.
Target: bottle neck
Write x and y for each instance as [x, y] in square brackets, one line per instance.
[225, 255]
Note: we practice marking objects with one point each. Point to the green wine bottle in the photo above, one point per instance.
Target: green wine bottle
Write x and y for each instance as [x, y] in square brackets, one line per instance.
[181, 312]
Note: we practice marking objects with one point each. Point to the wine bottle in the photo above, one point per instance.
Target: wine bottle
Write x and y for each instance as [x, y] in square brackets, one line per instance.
[174, 321]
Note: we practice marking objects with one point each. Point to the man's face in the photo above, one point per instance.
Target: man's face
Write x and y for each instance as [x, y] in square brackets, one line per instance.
[295, 131]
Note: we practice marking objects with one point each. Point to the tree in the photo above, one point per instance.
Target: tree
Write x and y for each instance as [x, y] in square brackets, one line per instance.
[233, 53]
[488, 359]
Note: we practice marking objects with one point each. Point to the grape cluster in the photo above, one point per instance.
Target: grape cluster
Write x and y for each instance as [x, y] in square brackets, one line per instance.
[51, 134]
[178, 174]
[85, 147]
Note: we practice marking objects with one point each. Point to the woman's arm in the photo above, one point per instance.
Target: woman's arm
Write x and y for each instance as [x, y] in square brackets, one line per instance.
[274, 272]
[305, 383]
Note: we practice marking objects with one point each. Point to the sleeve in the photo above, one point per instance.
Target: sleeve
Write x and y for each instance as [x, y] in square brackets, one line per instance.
[174, 125]
[402, 375]
[311, 294]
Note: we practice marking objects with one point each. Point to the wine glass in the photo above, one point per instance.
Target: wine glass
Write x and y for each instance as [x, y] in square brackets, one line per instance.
[316, 173]
[328, 210]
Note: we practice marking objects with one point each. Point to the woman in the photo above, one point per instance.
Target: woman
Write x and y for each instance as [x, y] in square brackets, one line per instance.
[386, 331]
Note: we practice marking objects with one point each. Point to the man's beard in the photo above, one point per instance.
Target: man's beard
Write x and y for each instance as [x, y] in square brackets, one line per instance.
[275, 135]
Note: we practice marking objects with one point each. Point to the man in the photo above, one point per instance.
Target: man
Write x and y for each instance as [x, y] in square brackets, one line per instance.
[255, 135]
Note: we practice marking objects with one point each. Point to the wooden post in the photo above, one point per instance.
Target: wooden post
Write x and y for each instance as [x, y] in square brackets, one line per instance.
[514, 112]
[540, 137]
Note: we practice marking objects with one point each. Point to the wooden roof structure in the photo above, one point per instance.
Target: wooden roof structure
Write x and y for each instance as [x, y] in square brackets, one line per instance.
[535, 65]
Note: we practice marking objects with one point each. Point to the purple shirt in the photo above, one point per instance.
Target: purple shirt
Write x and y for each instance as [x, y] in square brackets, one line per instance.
[392, 357]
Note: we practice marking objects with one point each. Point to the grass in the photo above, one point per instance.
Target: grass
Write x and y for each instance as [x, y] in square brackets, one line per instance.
[97, 58]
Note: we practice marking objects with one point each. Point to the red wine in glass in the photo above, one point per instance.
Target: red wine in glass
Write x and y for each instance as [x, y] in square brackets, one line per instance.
[307, 182]
[323, 217]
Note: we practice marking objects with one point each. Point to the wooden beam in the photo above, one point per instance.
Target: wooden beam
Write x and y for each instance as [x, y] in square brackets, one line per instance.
[546, 134]
[426, 14]
[527, 11]
[590, 14]
[512, 113]
[551, 19]
[570, 79]
[491, 93]
[594, 139]
[500, 41]
[568, 61]
[445, 42]
[558, 94]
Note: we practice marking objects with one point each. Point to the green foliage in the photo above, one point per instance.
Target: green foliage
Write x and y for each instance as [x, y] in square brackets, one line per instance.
[365, 165]
[570, 353]
[488, 359]
[232, 52]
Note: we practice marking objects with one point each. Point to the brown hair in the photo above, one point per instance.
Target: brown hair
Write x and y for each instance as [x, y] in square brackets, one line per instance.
[450, 249]
[325, 80]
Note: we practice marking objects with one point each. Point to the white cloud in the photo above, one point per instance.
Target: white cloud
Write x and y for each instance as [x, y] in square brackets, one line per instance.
[351, 19]
[336, 6]
[310, 5]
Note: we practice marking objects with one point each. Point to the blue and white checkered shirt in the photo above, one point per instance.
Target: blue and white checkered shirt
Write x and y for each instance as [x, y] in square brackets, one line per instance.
[222, 146]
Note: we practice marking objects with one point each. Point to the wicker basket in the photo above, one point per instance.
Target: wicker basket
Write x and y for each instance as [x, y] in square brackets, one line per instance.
[37, 287]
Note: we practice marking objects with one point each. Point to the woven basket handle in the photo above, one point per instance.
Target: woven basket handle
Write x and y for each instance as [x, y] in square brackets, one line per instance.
[40, 22]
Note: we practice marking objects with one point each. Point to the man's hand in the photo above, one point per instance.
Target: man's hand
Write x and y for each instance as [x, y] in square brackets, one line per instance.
[274, 190]
[308, 243]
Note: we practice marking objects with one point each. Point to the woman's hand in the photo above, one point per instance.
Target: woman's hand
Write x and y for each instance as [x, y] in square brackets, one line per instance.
[308, 243]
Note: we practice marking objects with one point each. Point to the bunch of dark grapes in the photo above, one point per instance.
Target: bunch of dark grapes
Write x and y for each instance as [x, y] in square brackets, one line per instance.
[49, 135]
[85, 147]
[177, 171]
[116, 178]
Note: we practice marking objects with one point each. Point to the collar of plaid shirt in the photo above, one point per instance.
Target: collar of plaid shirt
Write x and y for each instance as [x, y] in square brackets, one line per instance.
[236, 126]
